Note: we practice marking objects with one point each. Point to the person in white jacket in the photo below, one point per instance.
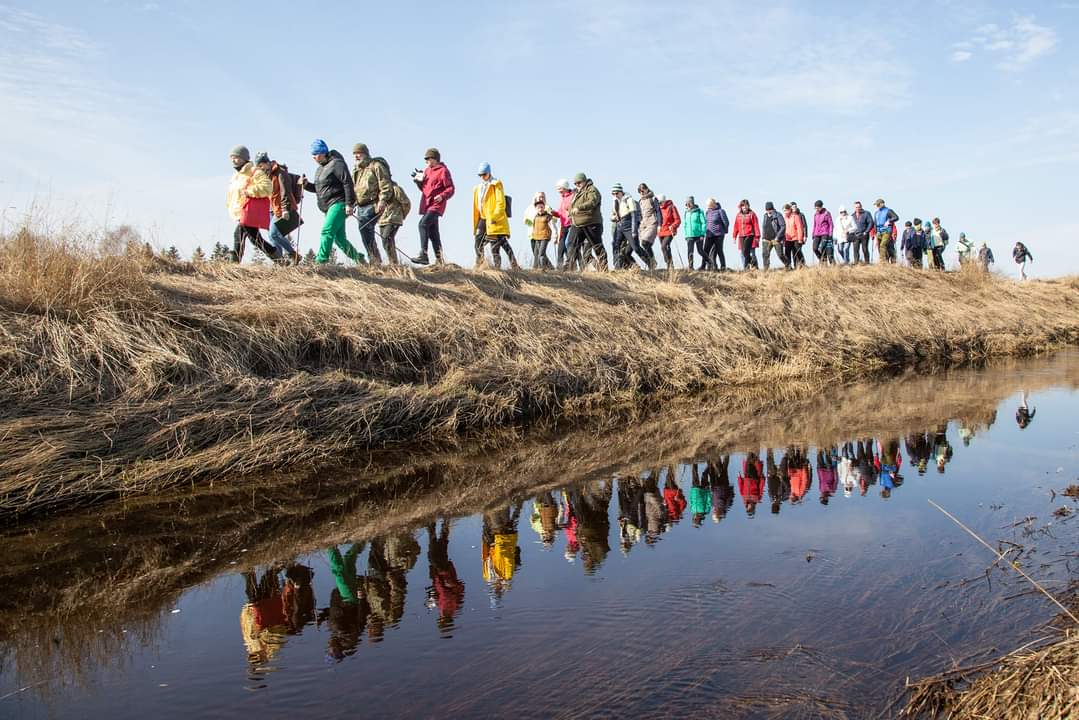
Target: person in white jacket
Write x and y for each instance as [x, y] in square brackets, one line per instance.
[844, 227]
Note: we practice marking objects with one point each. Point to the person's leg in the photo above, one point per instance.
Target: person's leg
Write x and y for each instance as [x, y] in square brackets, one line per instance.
[365, 221]
[595, 235]
[719, 251]
[268, 249]
[690, 244]
[560, 248]
[545, 264]
[238, 240]
[340, 237]
[326, 237]
[708, 260]
[481, 241]
[665, 249]
[766, 254]
[389, 242]
[282, 243]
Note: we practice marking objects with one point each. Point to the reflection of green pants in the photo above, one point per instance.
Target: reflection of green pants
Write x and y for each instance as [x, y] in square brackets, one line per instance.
[333, 233]
[883, 241]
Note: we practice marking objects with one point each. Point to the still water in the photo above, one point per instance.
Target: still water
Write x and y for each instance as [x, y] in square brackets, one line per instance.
[794, 571]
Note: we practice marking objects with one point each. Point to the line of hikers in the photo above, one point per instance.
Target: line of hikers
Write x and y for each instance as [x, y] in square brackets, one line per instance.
[264, 195]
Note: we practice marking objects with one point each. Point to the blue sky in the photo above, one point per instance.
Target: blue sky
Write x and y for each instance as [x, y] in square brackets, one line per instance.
[122, 111]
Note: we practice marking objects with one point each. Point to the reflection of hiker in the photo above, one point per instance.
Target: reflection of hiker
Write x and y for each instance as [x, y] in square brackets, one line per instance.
[827, 475]
[386, 583]
[348, 609]
[447, 591]
[722, 492]
[262, 619]
[298, 598]
[545, 518]
[942, 449]
[631, 512]
[336, 197]
[490, 219]
[889, 462]
[436, 188]
[655, 511]
[918, 451]
[779, 489]
[498, 549]
[1022, 256]
[846, 469]
[751, 483]
[673, 497]
[249, 204]
[700, 499]
[592, 502]
[797, 466]
[864, 467]
[1024, 415]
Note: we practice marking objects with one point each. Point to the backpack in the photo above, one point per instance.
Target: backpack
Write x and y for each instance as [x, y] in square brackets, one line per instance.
[292, 185]
[402, 199]
[509, 206]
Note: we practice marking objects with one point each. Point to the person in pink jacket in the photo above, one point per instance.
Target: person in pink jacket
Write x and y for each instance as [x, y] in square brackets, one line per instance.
[436, 188]
[823, 231]
[746, 230]
[564, 223]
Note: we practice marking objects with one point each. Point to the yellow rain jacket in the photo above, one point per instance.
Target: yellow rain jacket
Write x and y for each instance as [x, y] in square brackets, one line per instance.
[491, 207]
[247, 182]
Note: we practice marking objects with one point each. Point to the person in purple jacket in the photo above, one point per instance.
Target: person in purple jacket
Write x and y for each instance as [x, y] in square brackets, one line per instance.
[716, 226]
[823, 244]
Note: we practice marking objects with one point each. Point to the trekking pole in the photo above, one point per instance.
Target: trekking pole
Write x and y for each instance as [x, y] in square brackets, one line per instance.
[299, 225]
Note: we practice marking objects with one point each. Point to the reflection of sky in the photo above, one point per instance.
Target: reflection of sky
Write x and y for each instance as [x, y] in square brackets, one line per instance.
[708, 611]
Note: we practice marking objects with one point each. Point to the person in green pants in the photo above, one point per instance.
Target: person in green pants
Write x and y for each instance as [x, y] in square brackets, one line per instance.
[336, 198]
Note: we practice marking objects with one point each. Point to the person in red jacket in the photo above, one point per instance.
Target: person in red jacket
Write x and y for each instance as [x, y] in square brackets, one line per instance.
[673, 496]
[746, 230]
[447, 592]
[436, 187]
[669, 222]
[751, 483]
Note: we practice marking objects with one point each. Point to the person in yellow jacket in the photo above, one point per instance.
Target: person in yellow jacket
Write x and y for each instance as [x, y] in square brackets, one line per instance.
[247, 182]
[499, 551]
[490, 221]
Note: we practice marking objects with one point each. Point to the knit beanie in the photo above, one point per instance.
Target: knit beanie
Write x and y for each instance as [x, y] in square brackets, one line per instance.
[360, 148]
[617, 188]
[769, 206]
[580, 177]
[262, 157]
[319, 147]
[241, 152]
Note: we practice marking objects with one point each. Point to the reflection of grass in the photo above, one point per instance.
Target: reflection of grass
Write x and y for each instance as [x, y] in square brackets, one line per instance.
[123, 375]
[107, 568]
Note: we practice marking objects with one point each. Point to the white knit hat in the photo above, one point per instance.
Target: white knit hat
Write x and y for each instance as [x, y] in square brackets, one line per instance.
[661, 197]
[562, 184]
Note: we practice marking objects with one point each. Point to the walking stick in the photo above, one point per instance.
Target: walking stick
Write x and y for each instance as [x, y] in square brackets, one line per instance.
[299, 226]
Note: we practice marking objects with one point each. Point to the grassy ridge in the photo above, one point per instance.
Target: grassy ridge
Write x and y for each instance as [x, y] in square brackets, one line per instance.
[123, 374]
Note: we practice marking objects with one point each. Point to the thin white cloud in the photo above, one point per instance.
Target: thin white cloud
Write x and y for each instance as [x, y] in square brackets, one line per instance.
[1014, 47]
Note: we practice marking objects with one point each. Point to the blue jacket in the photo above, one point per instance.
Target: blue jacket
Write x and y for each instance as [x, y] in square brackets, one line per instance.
[716, 222]
[884, 219]
[863, 223]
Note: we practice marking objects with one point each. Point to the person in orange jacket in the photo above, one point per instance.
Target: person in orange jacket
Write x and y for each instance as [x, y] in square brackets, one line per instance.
[795, 237]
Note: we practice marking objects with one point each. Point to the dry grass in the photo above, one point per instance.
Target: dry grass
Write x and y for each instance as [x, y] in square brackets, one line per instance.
[124, 375]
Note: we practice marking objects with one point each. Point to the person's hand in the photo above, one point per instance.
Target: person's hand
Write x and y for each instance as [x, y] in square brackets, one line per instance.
[303, 180]
[437, 199]
[285, 215]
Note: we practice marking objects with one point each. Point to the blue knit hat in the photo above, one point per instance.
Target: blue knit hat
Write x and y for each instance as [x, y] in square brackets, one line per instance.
[319, 147]
[484, 169]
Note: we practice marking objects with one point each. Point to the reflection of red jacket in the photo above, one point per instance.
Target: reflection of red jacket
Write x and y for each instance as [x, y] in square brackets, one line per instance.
[449, 591]
[676, 503]
[269, 612]
[436, 181]
[799, 482]
[752, 489]
[670, 220]
[746, 226]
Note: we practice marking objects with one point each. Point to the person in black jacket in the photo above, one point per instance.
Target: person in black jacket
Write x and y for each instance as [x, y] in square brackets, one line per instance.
[863, 228]
[336, 197]
[773, 233]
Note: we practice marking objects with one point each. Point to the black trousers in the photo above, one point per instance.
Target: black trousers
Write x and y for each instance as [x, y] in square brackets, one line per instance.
[498, 244]
[713, 250]
[695, 242]
[860, 243]
[794, 254]
[749, 253]
[389, 242]
[429, 234]
[244, 233]
[584, 239]
[665, 248]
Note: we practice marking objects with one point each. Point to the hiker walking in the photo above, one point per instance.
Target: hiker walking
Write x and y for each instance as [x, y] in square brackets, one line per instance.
[747, 234]
[1024, 415]
[695, 229]
[773, 235]
[1022, 256]
[985, 257]
[248, 201]
[540, 220]
[565, 195]
[669, 222]
[844, 233]
[884, 220]
[648, 228]
[795, 237]
[863, 229]
[627, 223]
[284, 205]
[436, 188]
[823, 229]
[716, 226]
[490, 219]
[376, 199]
[965, 249]
[586, 215]
[936, 240]
[336, 197]
[912, 242]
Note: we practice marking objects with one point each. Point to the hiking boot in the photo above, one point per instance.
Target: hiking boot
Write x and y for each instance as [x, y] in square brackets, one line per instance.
[439, 259]
[421, 259]
[233, 257]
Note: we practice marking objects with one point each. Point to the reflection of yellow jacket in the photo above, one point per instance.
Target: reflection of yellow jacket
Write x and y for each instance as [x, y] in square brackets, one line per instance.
[246, 183]
[498, 559]
[492, 208]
